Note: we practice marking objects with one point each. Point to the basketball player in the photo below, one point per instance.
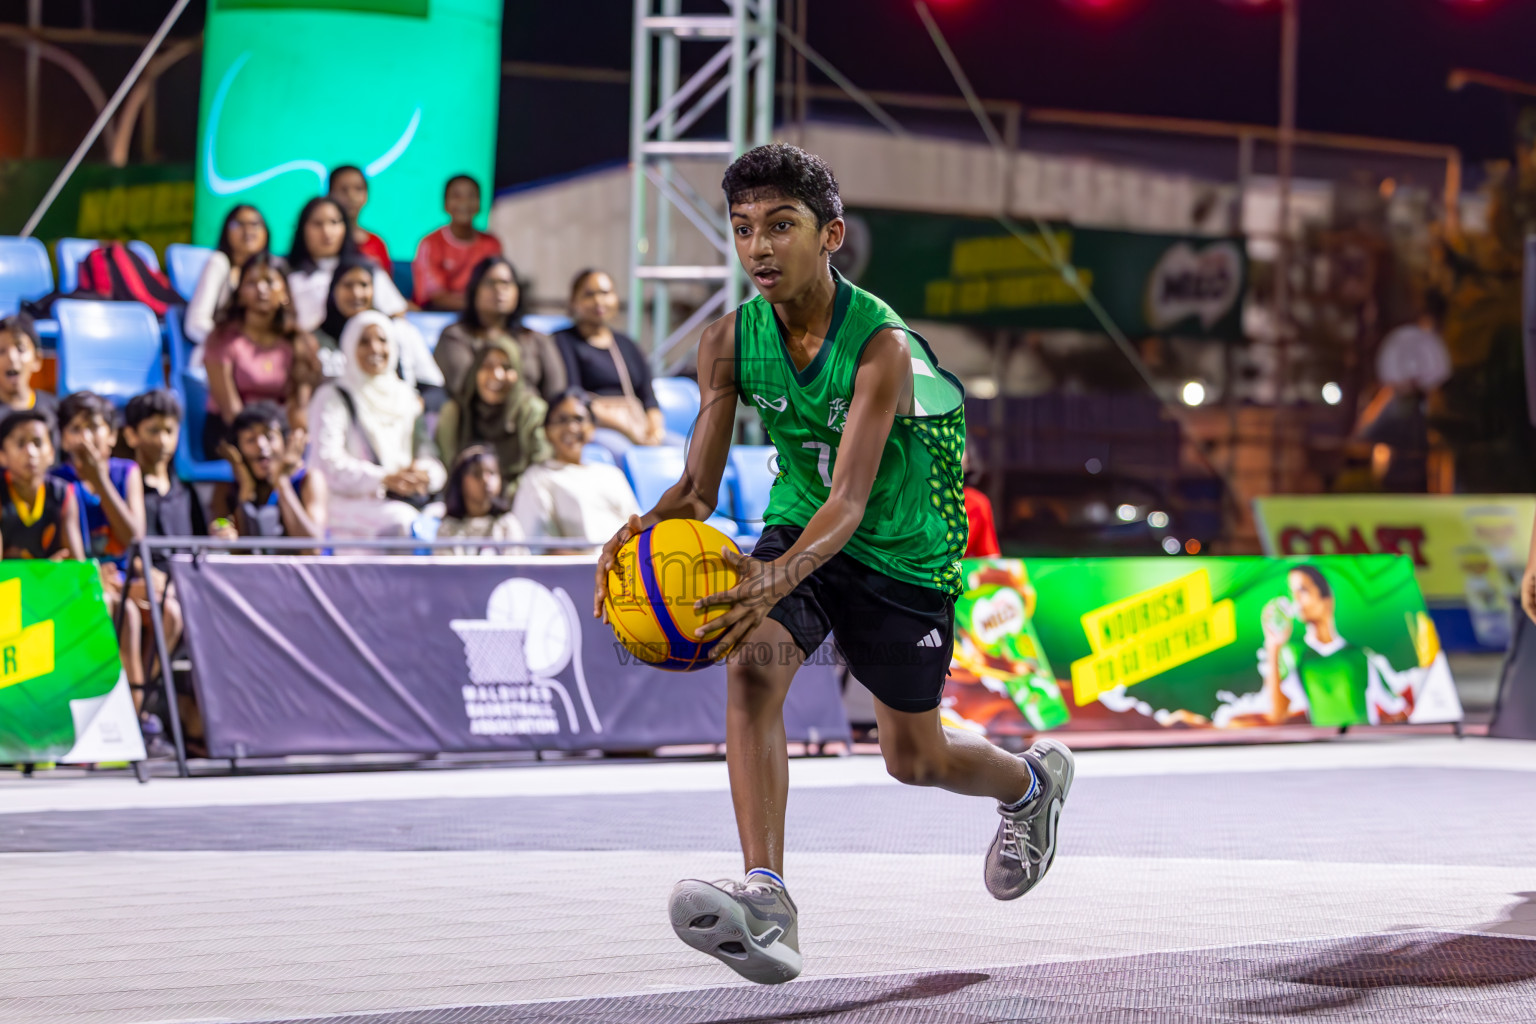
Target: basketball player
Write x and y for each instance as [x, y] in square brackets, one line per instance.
[863, 534]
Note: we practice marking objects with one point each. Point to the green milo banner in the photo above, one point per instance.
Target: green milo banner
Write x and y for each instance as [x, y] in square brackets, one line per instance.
[1194, 643]
[972, 270]
[63, 696]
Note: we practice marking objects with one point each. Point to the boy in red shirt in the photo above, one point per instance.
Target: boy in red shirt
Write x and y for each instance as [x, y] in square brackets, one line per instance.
[446, 257]
[349, 187]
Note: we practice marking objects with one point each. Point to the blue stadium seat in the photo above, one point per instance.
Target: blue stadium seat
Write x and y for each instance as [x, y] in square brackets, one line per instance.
[403, 277]
[191, 465]
[425, 527]
[24, 270]
[184, 263]
[70, 251]
[653, 468]
[679, 401]
[111, 348]
[597, 453]
[752, 478]
[431, 325]
[546, 323]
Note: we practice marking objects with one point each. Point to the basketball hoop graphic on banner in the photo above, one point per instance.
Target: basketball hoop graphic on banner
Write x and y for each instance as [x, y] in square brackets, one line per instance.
[530, 635]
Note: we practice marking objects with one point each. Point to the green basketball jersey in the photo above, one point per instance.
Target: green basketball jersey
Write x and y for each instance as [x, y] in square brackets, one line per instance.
[914, 528]
[1335, 684]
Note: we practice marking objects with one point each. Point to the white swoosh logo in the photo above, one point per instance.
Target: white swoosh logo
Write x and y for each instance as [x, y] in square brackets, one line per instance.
[222, 186]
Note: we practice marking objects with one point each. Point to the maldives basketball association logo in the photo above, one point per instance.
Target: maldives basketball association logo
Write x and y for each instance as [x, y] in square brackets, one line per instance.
[516, 657]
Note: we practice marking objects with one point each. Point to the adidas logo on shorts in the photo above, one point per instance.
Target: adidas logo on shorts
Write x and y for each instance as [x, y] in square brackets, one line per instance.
[931, 640]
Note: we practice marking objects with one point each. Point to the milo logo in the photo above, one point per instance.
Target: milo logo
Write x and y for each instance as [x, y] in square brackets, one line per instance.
[996, 616]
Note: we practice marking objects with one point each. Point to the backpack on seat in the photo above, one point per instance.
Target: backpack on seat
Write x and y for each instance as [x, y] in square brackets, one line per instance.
[116, 272]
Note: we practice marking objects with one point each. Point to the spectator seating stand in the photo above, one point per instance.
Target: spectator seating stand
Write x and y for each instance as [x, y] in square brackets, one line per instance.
[431, 325]
[111, 348]
[70, 251]
[192, 463]
[184, 266]
[25, 276]
[653, 468]
[679, 400]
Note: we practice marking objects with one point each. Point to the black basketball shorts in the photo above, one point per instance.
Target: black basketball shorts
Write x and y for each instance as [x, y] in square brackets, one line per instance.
[895, 636]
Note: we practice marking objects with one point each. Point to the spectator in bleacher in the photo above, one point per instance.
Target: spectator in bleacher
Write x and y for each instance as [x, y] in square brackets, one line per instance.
[445, 258]
[494, 407]
[244, 235]
[567, 496]
[111, 490]
[493, 309]
[257, 353]
[152, 426]
[322, 240]
[473, 503]
[50, 526]
[981, 538]
[610, 367]
[370, 439]
[19, 360]
[109, 493]
[350, 293]
[349, 187]
[273, 494]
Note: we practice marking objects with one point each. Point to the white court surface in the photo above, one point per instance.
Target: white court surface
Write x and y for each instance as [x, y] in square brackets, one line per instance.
[538, 893]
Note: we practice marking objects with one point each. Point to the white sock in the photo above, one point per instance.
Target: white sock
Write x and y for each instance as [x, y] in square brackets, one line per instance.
[1034, 787]
[769, 876]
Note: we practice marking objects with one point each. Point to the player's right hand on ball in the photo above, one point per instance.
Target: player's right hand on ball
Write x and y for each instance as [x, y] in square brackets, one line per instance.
[605, 561]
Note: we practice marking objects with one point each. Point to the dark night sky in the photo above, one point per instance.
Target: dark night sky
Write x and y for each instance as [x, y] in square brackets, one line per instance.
[1370, 67]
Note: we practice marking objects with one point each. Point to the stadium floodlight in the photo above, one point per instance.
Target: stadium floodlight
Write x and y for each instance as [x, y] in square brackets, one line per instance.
[1157, 520]
[1126, 513]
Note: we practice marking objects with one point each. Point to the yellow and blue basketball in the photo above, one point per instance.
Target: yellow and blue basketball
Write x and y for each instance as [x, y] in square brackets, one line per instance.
[655, 580]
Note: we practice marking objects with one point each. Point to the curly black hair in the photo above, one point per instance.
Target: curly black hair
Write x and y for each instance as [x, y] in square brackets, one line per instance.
[791, 172]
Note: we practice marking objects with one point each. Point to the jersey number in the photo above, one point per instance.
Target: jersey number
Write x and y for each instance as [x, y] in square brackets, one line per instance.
[823, 460]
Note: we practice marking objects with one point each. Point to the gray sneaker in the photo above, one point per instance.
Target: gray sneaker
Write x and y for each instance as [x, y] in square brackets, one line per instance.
[751, 927]
[1025, 844]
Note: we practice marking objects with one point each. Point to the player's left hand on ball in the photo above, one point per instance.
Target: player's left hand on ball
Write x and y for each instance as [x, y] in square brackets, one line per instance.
[759, 585]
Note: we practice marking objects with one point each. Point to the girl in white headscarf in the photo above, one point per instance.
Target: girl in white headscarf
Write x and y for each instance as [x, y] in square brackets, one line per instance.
[369, 439]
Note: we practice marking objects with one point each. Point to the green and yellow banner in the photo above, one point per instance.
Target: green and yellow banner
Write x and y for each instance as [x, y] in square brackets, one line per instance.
[1149, 643]
[62, 692]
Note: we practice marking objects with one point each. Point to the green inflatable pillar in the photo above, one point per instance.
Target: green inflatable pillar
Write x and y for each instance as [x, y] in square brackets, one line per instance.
[405, 89]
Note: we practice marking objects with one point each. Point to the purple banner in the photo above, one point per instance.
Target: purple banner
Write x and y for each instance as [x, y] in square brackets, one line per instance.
[319, 655]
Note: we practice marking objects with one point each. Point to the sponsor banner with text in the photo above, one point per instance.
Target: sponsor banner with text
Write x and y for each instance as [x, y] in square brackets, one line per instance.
[972, 270]
[1468, 551]
[1196, 643]
[340, 655]
[63, 696]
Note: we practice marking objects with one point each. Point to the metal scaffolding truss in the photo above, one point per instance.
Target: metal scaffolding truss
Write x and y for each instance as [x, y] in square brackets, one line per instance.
[664, 111]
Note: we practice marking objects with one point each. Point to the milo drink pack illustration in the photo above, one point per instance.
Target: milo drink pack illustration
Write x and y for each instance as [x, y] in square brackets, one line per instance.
[996, 642]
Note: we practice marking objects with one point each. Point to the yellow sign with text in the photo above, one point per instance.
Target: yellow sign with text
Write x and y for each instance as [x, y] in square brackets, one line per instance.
[24, 653]
[1113, 624]
[1146, 634]
[1463, 546]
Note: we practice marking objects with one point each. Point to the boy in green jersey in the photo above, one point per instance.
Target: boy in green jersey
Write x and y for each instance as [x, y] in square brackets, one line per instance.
[862, 540]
